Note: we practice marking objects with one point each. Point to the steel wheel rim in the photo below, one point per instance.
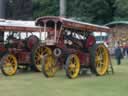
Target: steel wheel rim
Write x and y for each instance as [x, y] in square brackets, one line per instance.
[38, 58]
[73, 66]
[10, 65]
[101, 60]
[50, 67]
[40, 52]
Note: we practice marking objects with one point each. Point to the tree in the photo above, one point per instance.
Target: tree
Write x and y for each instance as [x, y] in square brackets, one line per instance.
[121, 12]
[19, 9]
[45, 8]
[96, 11]
[104, 12]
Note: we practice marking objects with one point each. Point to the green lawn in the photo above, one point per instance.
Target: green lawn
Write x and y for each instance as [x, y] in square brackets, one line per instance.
[35, 84]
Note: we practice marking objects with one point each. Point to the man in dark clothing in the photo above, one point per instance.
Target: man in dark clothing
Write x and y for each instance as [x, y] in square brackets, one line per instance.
[118, 55]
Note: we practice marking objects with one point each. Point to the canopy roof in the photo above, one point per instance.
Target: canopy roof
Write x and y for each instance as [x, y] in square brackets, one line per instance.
[18, 25]
[117, 23]
[69, 23]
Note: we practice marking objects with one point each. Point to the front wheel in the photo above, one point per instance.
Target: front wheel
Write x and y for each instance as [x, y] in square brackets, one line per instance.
[9, 65]
[49, 64]
[99, 59]
[72, 66]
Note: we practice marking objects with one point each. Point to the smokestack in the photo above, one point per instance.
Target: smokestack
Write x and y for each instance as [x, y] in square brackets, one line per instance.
[62, 7]
[2, 8]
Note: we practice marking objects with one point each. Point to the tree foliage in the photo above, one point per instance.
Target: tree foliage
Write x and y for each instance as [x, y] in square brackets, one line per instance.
[45, 8]
[19, 9]
[122, 10]
[95, 11]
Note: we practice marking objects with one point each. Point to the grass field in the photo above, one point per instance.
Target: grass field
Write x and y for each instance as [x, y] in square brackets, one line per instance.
[35, 84]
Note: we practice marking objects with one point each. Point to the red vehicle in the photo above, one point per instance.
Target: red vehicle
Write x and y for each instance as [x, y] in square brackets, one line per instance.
[20, 47]
[70, 43]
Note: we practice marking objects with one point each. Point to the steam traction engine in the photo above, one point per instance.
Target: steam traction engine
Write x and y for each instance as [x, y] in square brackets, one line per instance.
[20, 49]
[71, 43]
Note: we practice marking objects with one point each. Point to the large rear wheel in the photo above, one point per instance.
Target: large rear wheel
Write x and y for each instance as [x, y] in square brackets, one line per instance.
[9, 65]
[37, 54]
[72, 66]
[99, 59]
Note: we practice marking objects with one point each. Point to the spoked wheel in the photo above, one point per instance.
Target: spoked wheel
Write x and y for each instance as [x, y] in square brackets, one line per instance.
[49, 65]
[100, 60]
[37, 56]
[72, 66]
[9, 65]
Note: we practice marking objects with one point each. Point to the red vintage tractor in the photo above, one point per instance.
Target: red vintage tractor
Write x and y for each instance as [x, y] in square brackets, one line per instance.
[70, 44]
[20, 49]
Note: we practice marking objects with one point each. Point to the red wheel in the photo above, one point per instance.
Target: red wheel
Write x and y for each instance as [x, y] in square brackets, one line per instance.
[32, 41]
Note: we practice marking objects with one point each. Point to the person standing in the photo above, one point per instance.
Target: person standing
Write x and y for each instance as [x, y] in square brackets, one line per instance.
[118, 54]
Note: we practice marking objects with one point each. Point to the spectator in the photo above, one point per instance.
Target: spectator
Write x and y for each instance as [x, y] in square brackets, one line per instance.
[124, 51]
[118, 54]
[127, 51]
